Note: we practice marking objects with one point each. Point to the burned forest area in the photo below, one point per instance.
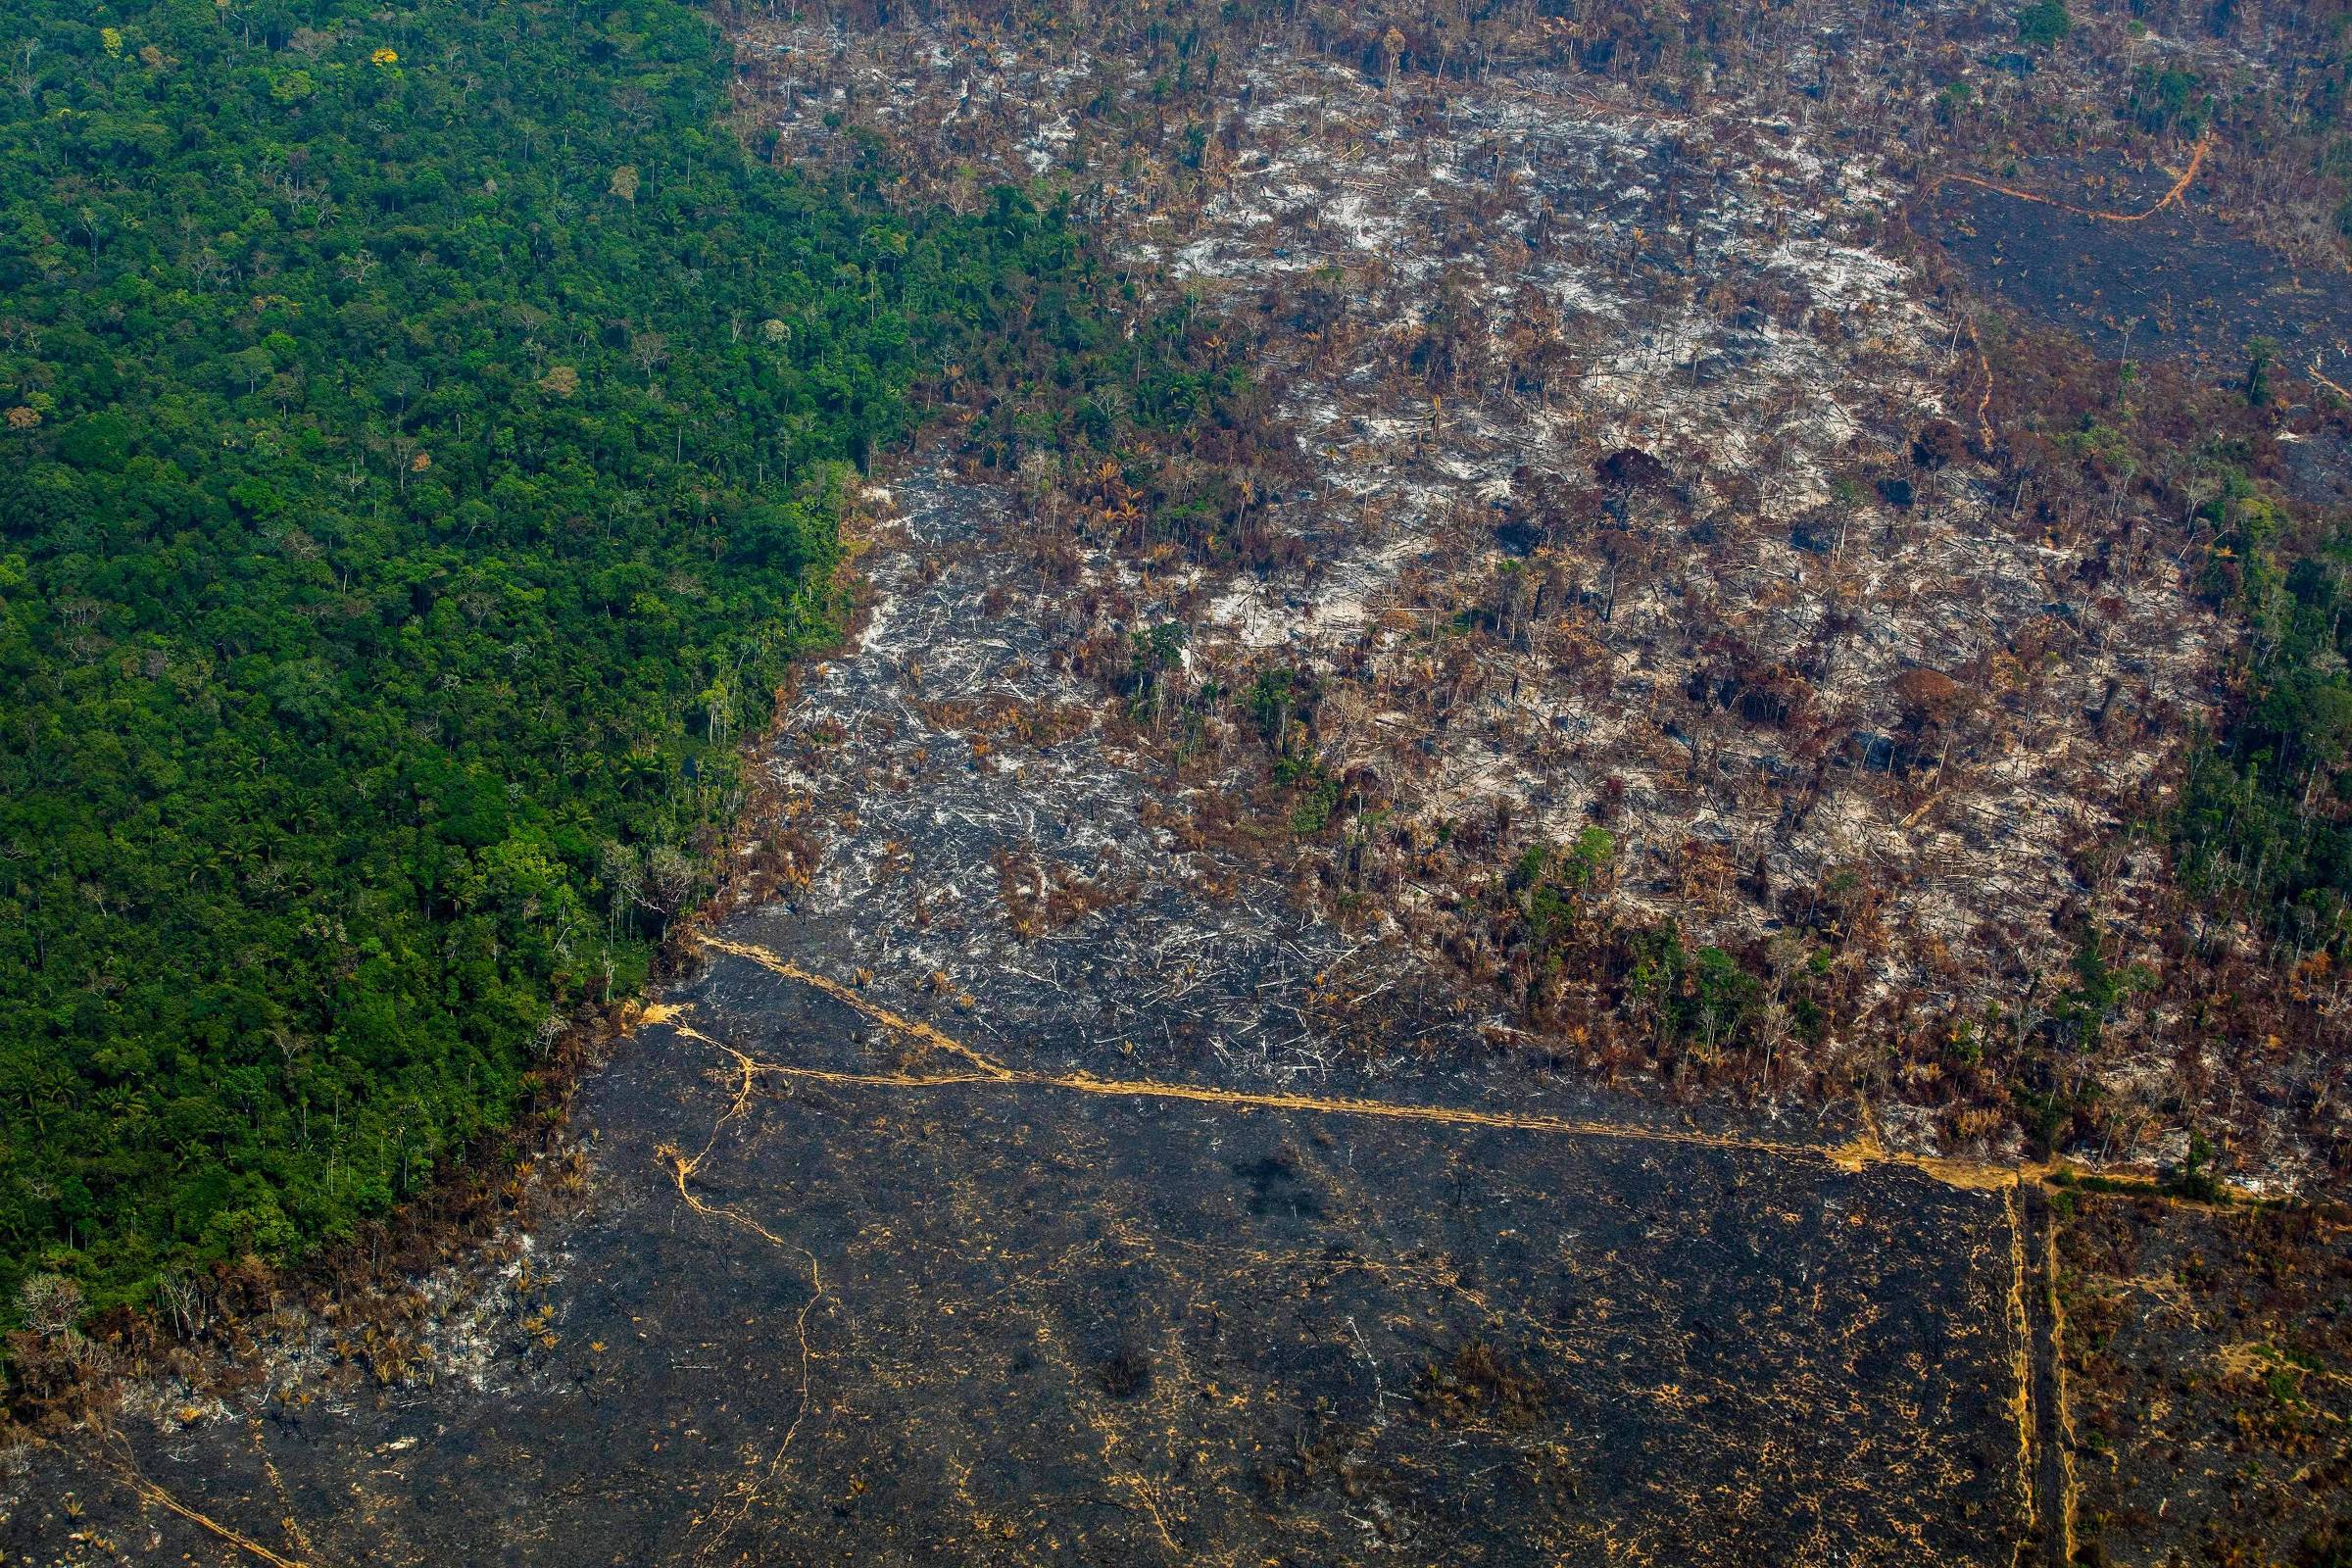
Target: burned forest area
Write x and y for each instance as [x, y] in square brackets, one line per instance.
[1636, 854]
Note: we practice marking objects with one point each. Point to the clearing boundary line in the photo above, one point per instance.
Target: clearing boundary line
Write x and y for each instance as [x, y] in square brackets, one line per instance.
[2181, 184]
[1854, 1154]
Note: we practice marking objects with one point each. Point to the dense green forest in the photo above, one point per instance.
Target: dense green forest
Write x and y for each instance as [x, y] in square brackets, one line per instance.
[424, 435]
[2262, 825]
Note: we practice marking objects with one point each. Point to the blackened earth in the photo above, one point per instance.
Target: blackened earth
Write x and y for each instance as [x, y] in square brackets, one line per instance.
[2178, 284]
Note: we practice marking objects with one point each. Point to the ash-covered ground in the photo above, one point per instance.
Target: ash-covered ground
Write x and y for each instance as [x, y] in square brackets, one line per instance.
[930, 1223]
[1803, 649]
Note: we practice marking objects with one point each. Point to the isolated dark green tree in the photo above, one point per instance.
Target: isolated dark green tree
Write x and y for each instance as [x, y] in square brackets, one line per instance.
[2044, 24]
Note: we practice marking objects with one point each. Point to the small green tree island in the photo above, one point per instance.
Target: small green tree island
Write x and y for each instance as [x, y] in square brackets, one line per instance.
[424, 436]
